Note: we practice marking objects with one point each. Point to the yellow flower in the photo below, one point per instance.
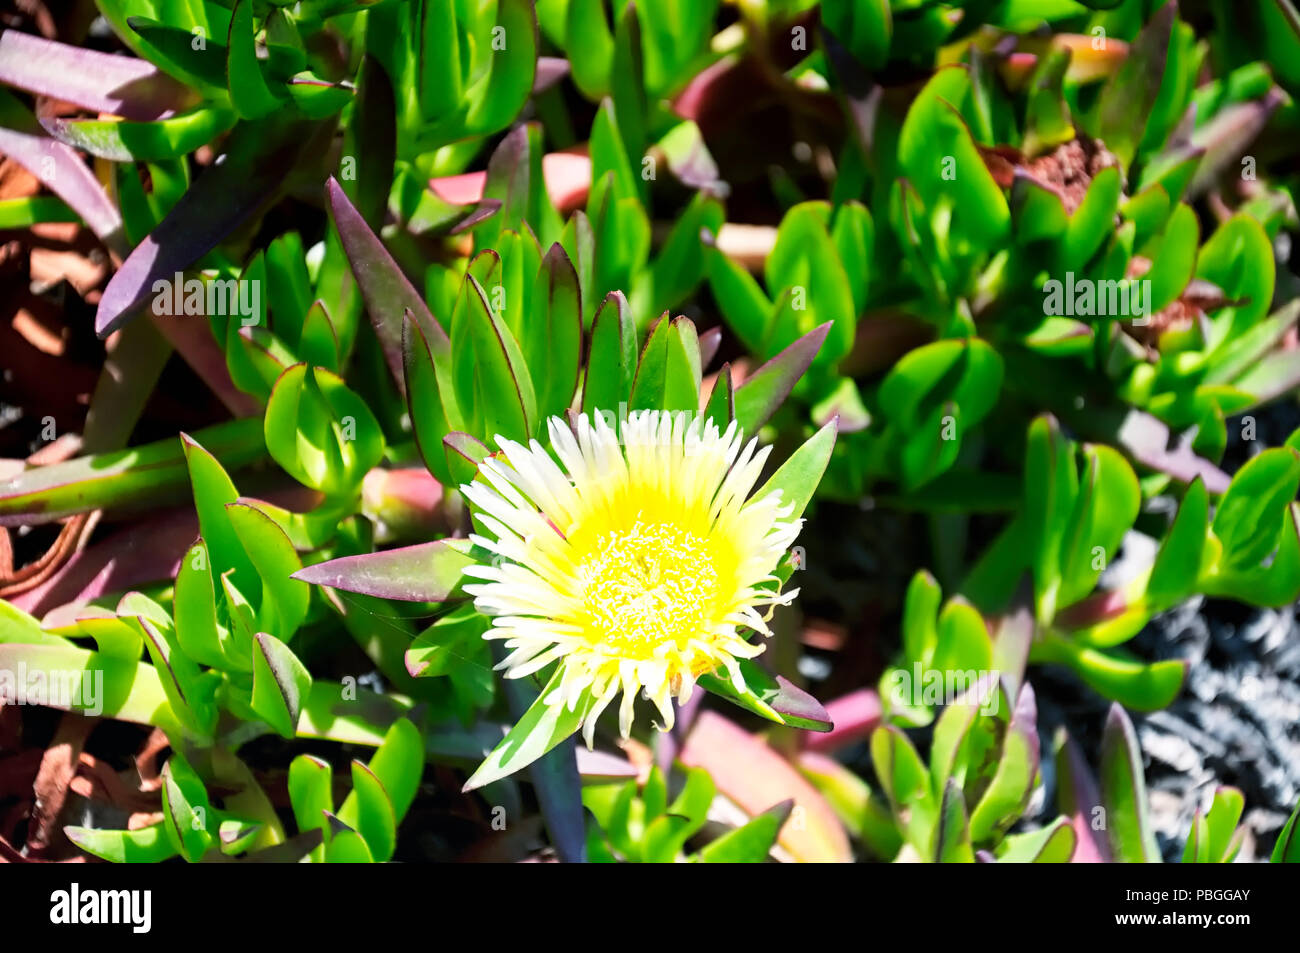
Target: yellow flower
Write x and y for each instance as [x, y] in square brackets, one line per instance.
[639, 566]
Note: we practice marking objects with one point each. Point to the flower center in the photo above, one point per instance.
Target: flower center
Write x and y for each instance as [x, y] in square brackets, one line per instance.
[648, 585]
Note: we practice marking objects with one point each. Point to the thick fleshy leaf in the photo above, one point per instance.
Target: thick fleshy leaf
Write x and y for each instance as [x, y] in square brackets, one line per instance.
[612, 357]
[1124, 792]
[128, 141]
[1053, 844]
[765, 390]
[426, 572]
[281, 683]
[225, 195]
[798, 477]
[767, 695]
[59, 167]
[144, 474]
[540, 729]
[95, 81]
[1127, 99]
[387, 291]
[147, 845]
[751, 843]
[249, 91]
[284, 599]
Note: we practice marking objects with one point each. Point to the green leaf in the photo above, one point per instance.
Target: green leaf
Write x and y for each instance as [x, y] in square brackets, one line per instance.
[769, 697]
[751, 843]
[682, 372]
[189, 691]
[311, 795]
[967, 372]
[284, 600]
[1178, 562]
[280, 684]
[863, 26]
[1093, 221]
[345, 845]
[1051, 484]
[1212, 840]
[540, 729]
[963, 643]
[899, 768]
[740, 299]
[667, 834]
[439, 58]
[590, 46]
[552, 334]
[212, 492]
[195, 609]
[1246, 521]
[370, 812]
[1104, 510]
[651, 369]
[1238, 258]
[186, 809]
[935, 131]
[398, 764]
[249, 91]
[1013, 781]
[1122, 678]
[130, 141]
[1053, 844]
[147, 845]
[1124, 793]
[798, 477]
[427, 399]
[321, 432]
[1126, 101]
[806, 261]
[952, 837]
[1287, 848]
[721, 408]
[1173, 260]
[464, 454]
[920, 612]
[612, 360]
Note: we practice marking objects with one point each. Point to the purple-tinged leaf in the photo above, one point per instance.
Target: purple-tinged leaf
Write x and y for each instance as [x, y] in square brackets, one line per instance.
[1079, 799]
[764, 390]
[1126, 100]
[1228, 135]
[61, 169]
[1015, 634]
[240, 182]
[550, 70]
[1147, 440]
[1124, 792]
[140, 476]
[766, 694]
[98, 82]
[710, 340]
[427, 572]
[387, 292]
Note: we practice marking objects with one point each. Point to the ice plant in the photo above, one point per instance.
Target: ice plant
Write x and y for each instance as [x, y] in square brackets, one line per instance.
[641, 565]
